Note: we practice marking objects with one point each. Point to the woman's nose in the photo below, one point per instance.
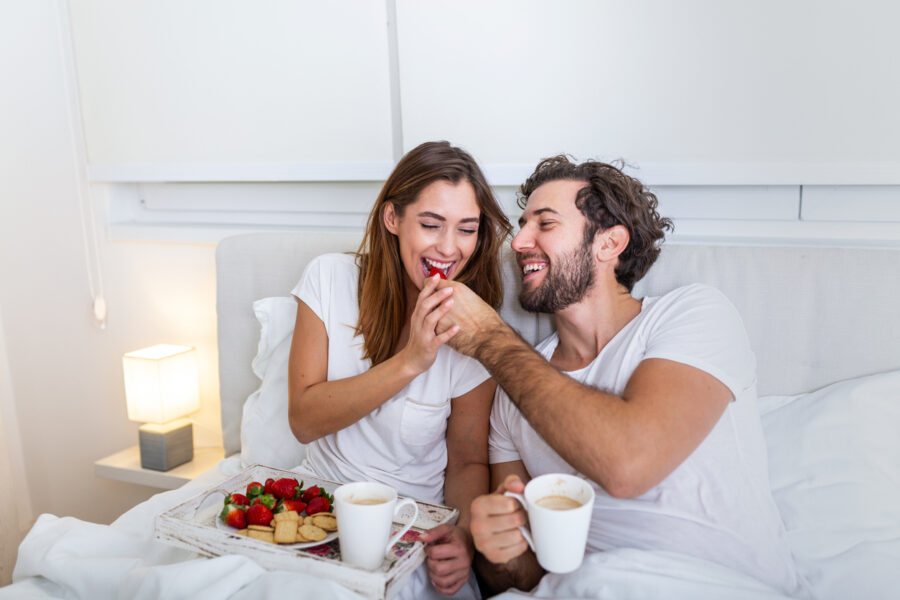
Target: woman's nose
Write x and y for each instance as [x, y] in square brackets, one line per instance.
[446, 243]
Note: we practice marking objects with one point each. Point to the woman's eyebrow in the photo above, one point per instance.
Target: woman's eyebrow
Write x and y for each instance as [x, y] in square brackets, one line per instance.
[441, 218]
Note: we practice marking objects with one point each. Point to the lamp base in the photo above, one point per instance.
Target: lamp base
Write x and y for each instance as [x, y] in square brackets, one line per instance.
[164, 447]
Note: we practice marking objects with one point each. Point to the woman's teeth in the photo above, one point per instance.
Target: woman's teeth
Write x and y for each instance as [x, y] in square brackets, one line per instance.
[431, 265]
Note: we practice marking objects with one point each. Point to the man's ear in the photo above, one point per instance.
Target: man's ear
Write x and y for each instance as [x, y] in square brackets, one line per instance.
[390, 217]
[611, 242]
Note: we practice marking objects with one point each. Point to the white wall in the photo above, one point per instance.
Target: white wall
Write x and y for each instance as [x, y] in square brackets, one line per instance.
[65, 374]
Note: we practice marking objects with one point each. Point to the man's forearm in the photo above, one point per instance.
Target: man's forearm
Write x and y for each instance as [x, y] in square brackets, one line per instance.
[563, 411]
[510, 359]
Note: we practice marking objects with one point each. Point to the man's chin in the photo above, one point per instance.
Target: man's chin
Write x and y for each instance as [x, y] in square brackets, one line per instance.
[530, 302]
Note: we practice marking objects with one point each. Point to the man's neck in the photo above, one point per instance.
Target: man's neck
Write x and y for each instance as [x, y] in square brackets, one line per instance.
[586, 327]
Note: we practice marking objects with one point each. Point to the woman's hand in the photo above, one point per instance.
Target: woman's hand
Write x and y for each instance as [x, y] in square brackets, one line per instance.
[449, 552]
[431, 306]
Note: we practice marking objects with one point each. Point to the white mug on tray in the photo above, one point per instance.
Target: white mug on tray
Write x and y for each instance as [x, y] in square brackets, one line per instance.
[559, 511]
[365, 511]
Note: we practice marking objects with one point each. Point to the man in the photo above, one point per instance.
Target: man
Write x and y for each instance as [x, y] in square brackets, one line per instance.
[652, 400]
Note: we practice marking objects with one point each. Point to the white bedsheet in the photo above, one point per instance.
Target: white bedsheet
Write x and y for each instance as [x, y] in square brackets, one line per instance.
[69, 558]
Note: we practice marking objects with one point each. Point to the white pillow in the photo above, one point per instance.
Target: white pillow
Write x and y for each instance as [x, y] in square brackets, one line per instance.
[266, 436]
[834, 462]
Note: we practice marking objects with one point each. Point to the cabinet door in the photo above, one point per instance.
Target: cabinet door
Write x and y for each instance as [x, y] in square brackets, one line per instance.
[168, 86]
[692, 92]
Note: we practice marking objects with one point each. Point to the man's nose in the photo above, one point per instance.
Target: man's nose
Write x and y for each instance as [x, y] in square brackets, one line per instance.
[522, 241]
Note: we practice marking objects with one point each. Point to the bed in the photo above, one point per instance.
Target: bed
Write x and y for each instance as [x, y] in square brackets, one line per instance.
[822, 322]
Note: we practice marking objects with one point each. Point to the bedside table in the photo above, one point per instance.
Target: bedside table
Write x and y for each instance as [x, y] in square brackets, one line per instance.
[126, 466]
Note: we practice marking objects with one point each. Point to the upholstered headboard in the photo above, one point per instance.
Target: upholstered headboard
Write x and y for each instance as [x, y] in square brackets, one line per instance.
[814, 315]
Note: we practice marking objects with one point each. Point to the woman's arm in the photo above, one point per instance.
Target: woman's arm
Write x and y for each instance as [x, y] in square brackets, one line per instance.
[450, 549]
[318, 407]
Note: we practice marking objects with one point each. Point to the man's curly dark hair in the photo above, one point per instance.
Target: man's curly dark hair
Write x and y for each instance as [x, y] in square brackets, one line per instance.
[609, 198]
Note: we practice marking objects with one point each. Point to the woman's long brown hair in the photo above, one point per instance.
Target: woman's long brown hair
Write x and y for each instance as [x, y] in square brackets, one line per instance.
[382, 290]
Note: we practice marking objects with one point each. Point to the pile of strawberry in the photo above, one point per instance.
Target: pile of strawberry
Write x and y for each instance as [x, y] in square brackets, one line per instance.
[261, 502]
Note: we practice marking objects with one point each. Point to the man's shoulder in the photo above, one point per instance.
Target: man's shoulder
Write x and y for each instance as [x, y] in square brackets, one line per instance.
[691, 297]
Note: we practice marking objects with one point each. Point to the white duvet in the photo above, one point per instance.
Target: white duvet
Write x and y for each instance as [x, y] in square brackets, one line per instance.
[69, 558]
[835, 473]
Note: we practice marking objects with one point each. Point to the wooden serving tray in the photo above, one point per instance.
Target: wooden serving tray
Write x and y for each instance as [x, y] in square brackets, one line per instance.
[192, 525]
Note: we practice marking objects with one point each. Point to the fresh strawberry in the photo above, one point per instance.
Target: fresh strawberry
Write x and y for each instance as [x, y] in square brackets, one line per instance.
[286, 488]
[296, 505]
[268, 486]
[237, 499]
[435, 271]
[259, 514]
[267, 500]
[234, 515]
[311, 493]
[317, 505]
[255, 488]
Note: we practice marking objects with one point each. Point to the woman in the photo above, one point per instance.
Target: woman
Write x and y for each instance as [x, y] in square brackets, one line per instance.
[374, 391]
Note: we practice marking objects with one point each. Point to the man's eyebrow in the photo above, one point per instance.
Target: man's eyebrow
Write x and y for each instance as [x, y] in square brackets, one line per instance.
[522, 219]
[427, 213]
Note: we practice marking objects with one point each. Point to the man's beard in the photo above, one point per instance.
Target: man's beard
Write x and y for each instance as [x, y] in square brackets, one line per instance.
[569, 279]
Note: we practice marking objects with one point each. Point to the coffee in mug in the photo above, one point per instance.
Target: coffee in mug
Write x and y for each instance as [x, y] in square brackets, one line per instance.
[366, 500]
[365, 512]
[558, 503]
[559, 509]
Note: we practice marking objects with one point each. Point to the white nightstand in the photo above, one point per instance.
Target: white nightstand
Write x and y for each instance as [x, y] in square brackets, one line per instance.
[126, 466]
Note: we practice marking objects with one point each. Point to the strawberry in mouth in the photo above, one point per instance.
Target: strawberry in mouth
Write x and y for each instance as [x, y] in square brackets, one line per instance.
[433, 267]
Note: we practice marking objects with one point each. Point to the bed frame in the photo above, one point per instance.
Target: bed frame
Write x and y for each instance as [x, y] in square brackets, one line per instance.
[814, 315]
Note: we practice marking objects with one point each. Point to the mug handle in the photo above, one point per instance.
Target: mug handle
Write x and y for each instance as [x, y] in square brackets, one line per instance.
[525, 532]
[405, 528]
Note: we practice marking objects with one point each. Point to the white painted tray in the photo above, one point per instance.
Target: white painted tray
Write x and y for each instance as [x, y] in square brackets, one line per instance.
[192, 525]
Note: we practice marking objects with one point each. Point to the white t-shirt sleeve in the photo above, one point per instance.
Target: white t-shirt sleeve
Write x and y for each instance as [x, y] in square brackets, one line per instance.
[501, 447]
[468, 373]
[700, 327]
[315, 285]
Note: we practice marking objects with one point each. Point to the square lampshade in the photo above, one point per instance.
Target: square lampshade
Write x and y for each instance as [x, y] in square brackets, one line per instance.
[161, 383]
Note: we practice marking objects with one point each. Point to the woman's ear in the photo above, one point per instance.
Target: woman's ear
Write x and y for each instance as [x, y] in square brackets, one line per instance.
[390, 217]
[611, 242]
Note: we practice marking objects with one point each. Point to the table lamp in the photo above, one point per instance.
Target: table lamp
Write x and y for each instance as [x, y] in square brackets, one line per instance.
[160, 387]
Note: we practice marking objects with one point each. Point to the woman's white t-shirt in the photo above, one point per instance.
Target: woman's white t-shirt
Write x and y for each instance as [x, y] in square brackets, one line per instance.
[717, 504]
[402, 443]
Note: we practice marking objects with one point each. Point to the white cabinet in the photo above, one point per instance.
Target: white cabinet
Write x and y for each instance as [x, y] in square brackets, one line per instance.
[212, 90]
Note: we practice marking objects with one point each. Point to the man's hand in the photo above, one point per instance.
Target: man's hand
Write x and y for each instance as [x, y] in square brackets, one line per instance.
[474, 317]
[495, 523]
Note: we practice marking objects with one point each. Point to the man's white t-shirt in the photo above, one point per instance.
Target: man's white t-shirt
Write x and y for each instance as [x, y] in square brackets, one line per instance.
[402, 443]
[717, 504]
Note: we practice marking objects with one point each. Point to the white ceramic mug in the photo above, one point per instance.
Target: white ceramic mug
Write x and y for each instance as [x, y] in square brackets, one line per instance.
[558, 533]
[365, 511]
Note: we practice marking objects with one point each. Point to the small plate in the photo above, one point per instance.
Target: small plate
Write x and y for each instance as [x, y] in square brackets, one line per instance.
[332, 535]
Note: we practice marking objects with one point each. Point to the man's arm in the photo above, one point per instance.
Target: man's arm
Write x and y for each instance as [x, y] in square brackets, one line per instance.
[626, 444]
[503, 560]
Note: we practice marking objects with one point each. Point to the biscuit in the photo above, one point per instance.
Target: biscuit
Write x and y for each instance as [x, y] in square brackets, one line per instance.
[265, 536]
[313, 533]
[261, 528]
[328, 523]
[288, 515]
[299, 536]
[285, 532]
[244, 531]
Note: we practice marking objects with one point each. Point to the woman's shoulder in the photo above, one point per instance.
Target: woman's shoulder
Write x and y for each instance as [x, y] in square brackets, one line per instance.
[335, 258]
[335, 262]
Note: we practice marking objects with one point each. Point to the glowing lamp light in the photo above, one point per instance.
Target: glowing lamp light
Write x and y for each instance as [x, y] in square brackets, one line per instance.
[161, 385]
